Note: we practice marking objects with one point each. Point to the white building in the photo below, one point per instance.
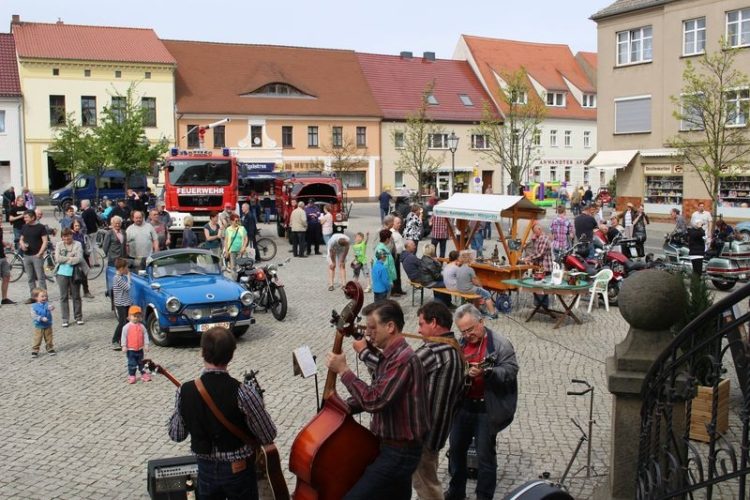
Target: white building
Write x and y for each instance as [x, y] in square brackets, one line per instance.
[11, 117]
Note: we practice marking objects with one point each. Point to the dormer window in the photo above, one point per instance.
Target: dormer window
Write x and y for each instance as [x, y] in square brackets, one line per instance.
[277, 89]
[466, 100]
[432, 100]
[589, 101]
[556, 99]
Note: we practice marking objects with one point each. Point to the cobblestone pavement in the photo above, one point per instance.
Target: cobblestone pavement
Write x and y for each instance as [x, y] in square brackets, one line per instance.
[70, 427]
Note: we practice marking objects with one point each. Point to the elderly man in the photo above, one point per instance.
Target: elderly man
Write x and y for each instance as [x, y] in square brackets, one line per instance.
[141, 238]
[418, 272]
[467, 282]
[488, 405]
[298, 225]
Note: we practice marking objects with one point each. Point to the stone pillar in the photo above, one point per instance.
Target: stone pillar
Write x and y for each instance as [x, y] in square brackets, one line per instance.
[651, 302]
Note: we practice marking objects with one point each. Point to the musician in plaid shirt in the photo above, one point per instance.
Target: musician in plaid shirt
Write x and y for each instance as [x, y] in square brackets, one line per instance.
[562, 232]
[439, 234]
[542, 257]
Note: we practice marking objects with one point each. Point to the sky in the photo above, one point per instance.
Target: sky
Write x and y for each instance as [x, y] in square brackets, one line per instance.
[380, 26]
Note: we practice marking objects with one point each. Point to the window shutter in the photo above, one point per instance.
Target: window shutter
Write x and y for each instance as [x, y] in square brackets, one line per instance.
[633, 115]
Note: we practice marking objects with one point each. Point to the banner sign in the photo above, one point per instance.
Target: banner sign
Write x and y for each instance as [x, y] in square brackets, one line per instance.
[257, 167]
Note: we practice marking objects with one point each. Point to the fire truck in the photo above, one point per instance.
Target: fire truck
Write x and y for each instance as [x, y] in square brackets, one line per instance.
[320, 188]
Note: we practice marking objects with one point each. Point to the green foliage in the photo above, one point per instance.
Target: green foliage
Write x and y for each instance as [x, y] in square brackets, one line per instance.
[75, 150]
[612, 186]
[699, 299]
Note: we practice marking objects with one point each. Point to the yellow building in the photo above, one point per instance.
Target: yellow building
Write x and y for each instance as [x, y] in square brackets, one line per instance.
[77, 69]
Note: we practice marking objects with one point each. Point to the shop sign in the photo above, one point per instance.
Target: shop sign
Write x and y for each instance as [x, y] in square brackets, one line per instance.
[304, 165]
[257, 167]
[657, 169]
[568, 161]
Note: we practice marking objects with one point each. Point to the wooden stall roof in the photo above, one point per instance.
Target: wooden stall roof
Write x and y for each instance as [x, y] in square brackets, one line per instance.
[487, 207]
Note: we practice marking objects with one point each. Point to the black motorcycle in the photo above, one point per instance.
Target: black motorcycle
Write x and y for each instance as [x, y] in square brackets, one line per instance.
[265, 284]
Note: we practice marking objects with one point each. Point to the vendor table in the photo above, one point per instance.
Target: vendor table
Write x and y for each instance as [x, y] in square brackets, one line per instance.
[495, 278]
[562, 292]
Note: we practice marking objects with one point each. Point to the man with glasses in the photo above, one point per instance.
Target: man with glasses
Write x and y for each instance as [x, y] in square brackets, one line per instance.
[488, 405]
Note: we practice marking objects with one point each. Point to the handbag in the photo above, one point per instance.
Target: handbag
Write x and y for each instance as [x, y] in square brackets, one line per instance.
[64, 269]
[79, 276]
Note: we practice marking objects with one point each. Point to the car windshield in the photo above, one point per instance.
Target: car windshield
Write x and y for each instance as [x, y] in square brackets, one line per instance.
[185, 263]
[199, 172]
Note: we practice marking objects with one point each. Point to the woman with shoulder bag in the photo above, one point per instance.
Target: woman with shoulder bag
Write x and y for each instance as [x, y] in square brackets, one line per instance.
[83, 239]
[69, 255]
[113, 245]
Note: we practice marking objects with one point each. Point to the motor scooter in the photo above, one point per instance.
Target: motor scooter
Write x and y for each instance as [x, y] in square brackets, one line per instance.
[725, 266]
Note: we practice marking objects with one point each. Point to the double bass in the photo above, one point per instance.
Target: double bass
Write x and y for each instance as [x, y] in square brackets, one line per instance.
[331, 452]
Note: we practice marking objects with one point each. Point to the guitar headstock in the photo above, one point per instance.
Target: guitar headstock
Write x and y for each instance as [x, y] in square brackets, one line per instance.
[152, 367]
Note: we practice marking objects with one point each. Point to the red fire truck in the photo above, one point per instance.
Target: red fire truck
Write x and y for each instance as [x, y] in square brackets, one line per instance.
[320, 188]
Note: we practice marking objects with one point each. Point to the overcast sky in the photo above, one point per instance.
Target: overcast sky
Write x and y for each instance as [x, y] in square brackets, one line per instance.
[379, 26]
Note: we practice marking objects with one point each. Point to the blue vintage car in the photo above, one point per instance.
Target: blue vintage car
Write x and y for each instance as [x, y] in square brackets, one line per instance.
[183, 292]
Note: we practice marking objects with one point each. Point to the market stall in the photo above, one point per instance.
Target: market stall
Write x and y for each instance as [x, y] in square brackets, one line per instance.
[501, 210]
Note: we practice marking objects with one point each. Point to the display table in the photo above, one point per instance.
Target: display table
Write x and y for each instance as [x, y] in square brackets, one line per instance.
[495, 278]
[563, 292]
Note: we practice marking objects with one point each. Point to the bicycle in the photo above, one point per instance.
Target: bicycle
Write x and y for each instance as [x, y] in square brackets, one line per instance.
[17, 269]
[266, 249]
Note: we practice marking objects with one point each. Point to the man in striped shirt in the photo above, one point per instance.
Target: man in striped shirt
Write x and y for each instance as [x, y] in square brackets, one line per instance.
[440, 234]
[225, 463]
[396, 398]
[444, 368]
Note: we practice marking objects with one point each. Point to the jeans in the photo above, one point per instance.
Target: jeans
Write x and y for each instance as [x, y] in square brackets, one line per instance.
[34, 268]
[298, 243]
[217, 481]
[440, 243]
[487, 231]
[135, 361]
[477, 243]
[397, 282]
[122, 319]
[466, 425]
[69, 290]
[383, 213]
[389, 476]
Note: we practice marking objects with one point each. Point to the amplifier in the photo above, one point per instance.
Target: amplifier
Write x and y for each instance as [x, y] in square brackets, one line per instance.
[173, 478]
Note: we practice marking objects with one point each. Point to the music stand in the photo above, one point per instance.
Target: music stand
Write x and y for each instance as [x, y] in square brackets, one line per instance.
[303, 364]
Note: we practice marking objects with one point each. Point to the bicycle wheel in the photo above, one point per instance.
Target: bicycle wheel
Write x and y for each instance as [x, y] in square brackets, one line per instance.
[266, 249]
[59, 213]
[96, 263]
[49, 267]
[15, 261]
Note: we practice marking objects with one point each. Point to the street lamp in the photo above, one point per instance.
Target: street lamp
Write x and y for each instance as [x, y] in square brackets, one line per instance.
[453, 145]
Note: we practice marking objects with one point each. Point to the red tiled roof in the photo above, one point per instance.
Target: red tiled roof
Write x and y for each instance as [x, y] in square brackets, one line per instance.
[548, 64]
[10, 84]
[212, 78]
[89, 43]
[398, 83]
[589, 57]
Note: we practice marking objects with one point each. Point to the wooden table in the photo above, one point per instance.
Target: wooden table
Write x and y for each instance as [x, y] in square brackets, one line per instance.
[497, 278]
[562, 292]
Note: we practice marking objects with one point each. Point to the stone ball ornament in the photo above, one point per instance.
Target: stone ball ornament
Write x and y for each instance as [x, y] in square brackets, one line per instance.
[652, 299]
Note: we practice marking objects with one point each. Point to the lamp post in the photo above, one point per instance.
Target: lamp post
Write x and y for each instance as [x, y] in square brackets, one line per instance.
[453, 145]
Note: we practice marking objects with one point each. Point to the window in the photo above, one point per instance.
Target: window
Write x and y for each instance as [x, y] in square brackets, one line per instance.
[2, 121]
[278, 90]
[537, 174]
[149, 111]
[432, 100]
[220, 140]
[192, 137]
[556, 99]
[517, 97]
[356, 179]
[312, 137]
[694, 36]
[87, 73]
[568, 168]
[738, 27]
[602, 178]
[536, 139]
[437, 141]
[56, 110]
[118, 74]
[586, 175]
[633, 115]
[118, 108]
[361, 137]
[567, 138]
[480, 141]
[147, 75]
[691, 119]
[465, 99]
[55, 71]
[587, 139]
[737, 107]
[589, 101]
[88, 111]
[553, 138]
[286, 137]
[337, 137]
[256, 136]
[634, 46]
[553, 173]
[398, 140]
[399, 178]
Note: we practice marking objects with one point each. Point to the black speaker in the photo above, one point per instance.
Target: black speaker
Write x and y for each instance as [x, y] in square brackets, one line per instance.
[538, 490]
[173, 478]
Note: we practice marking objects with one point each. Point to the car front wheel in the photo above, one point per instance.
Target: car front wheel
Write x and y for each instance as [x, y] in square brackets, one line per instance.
[158, 336]
[240, 331]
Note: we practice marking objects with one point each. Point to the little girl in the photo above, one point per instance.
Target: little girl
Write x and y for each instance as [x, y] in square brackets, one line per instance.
[135, 342]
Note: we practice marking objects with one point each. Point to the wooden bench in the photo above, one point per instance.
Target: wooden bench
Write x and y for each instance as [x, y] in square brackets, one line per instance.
[465, 296]
[414, 287]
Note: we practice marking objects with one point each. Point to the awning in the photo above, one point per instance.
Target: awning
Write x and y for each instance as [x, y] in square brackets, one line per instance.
[487, 207]
[445, 169]
[612, 160]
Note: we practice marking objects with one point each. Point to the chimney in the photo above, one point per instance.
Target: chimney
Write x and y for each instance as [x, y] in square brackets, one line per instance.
[429, 56]
[406, 54]
[60, 21]
[15, 19]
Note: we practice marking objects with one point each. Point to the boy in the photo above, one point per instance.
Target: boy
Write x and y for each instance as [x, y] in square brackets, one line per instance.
[121, 297]
[359, 264]
[381, 284]
[135, 342]
[41, 313]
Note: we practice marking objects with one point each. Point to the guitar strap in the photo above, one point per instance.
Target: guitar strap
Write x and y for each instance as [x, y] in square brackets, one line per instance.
[246, 438]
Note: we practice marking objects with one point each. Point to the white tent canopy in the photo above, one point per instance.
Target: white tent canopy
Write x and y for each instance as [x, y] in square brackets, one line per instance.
[484, 207]
[612, 160]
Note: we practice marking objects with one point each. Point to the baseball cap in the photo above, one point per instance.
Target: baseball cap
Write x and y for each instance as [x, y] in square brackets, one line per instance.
[134, 310]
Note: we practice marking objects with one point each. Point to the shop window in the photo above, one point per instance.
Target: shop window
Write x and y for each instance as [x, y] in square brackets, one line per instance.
[354, 179]
[735, 192]
[664, 190]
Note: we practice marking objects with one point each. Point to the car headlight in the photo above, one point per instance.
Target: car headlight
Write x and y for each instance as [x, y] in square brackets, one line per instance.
[196, 314]
[246, 298]
[55, 196]
[233, 310]
[173, 304]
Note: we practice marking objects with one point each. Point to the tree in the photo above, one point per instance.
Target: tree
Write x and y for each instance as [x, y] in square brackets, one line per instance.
[413, 143]
[122, 137]
[510, 140]
[75, 150]
[714, 97]
[345, 155]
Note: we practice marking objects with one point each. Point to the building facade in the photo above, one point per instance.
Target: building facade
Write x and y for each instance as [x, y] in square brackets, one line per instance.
[558, 79]
[11, 117]
[643, 46]
[75, 69]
